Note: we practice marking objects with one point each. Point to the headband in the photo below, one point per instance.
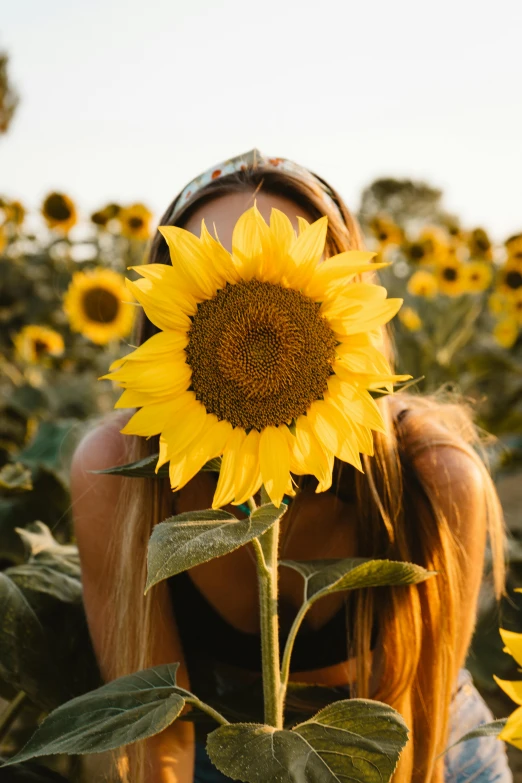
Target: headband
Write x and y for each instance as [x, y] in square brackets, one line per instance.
[253, 160]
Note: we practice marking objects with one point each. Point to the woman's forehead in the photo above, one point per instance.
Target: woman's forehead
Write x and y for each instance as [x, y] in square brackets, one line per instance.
[224, 211]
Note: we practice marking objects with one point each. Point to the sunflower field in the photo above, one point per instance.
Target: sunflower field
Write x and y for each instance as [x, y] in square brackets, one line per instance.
[65, 310]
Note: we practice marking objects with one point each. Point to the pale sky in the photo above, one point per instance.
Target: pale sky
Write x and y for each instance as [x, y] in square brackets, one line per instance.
[128, 100]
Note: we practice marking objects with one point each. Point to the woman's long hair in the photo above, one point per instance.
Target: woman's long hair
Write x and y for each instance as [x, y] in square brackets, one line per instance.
[403, 519]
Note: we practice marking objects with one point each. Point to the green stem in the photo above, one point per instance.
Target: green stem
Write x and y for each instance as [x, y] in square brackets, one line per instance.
[267, 556]
[208, 709]
[289, 646]
[10, 714]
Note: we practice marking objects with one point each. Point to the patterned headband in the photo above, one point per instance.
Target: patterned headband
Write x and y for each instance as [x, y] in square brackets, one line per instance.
[252, 160]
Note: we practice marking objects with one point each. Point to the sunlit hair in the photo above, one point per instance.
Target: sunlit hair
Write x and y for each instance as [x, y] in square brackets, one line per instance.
[419, 628]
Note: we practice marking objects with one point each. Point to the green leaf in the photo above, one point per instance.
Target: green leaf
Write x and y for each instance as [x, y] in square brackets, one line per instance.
[21, 631]
[355, 739]
[195, 537]
[15, 478]
[146, 468]
[331, 576]
[123, 711]
[492, 729]
[32, 773]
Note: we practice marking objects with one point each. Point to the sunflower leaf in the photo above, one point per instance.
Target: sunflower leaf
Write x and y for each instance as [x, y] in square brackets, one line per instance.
[331, 576]
[146, 468]
[492, 729]
[123, 711]
[355, 739]
[188, 539]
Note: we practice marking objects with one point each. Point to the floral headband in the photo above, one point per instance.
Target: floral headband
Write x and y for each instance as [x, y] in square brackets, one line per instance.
[252, 160]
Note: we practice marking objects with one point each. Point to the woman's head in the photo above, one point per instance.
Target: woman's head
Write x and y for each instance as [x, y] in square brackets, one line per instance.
[266, 181]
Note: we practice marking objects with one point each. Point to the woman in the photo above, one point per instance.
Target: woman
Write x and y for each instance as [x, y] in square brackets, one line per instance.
[424, 497]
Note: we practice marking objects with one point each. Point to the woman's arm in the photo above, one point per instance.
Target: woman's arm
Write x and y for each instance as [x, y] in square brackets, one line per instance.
[170, 755]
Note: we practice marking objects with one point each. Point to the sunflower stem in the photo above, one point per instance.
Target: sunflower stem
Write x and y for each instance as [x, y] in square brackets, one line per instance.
[269, 623]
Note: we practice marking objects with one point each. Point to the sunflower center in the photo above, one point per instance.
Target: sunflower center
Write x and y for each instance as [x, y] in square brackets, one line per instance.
[40, 347]
[514, 279]
[260, 354]
[449, 273]
[135, 223]
[417, 251]
[56, 207]
[100, 305]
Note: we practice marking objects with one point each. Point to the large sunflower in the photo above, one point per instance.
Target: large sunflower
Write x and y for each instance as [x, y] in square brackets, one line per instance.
[265, 357]
[96, 304]
[34, 343]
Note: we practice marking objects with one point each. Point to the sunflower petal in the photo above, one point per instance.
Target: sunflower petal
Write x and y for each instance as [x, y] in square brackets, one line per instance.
[225, 487]
[356, 402]
[158, 308]
[156, 348]
[223, 264]
[185, 429]
[302, 223]
[274, 456]
[249, 237]
[370, 318]
[316, 460]
[172, 281]
[513, 642]
[332, 428]
[189, 256]
[248, 472]
[306, 253]
[512, 731]
[210, 443]
[512, 688]
[158, 416]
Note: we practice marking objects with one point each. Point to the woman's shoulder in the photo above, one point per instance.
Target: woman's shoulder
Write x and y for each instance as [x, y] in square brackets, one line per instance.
[102, 445]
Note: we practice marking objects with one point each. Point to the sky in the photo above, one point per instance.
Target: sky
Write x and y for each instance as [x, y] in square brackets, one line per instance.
[128, 101]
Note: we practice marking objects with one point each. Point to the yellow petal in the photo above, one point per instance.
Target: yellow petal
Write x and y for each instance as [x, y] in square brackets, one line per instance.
[184, 430]
[512, 731]
[157, 347]
[209, 444]
[172, 282]
[137, 399]
[248, 472]
[306, 253]
[158, 308]
[152, 419]
[357, 403]
[357, 295]
[513, 642]
[316, 460]
[367, 359]
[222, 261]
[333, 429]
[274, 456]
[189, 257]
[512, 688]
[225, 487]
[282, 231]
[249, 236]
[337, 272]
[369, 318]
[158, 379]
[302, 223]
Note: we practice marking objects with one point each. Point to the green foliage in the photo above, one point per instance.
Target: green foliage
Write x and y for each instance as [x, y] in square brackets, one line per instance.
[122, 712]
[354, 740]
[195, 537]
[323, 577]
[45, 650]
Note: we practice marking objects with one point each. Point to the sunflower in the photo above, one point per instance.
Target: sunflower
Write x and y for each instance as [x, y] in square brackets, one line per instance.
[514, 247]
[135, 222]
[386, 231]
[59, 212]
[265, 357]
[516, 304]
[429, 247]
[477, 276]
[95, 305]
[410, 319]
[103, 216]
[33, 343]
[479, 244]
[14, 212]
[509, 280]
[3, 240]
[505, 332]
[500, 304]
[450, 275]
[423, 283]
[512, 731]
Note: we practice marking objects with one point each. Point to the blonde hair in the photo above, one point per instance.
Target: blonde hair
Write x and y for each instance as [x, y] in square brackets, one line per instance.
[404, 520]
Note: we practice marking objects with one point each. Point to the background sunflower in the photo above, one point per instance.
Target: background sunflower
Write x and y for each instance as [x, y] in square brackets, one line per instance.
[59, 212]
[96, 304]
